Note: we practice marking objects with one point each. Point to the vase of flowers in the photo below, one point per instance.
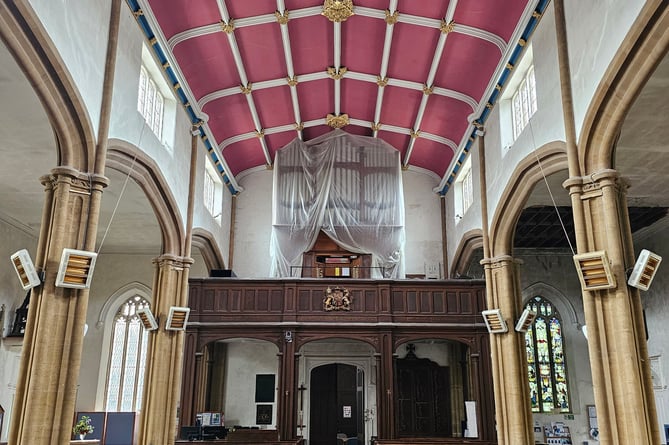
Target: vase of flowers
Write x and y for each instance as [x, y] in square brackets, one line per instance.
[83, 427]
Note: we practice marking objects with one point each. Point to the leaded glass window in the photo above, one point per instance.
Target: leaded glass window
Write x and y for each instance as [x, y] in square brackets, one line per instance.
[150, 102]
[125, 378]
[524, 103]
[546, 367]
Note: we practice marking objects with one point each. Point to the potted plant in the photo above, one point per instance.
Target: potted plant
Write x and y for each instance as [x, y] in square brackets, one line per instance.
[83, 427]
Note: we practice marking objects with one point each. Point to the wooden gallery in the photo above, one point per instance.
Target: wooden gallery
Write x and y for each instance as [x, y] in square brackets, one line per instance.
[357, 360]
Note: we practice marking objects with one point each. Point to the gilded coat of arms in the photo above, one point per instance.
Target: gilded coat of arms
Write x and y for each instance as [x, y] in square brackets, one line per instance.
[337, 300]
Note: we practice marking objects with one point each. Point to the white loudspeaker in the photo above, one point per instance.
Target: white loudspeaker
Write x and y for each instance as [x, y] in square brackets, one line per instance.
[644, 270]
[25, 269]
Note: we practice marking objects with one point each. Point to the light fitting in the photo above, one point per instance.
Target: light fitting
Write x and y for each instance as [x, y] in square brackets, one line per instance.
[644, 269]
[525, 321]
[25, 269]
[148, 320]
[177, 318]
[76, 269]
[594, 270]
[494, 321]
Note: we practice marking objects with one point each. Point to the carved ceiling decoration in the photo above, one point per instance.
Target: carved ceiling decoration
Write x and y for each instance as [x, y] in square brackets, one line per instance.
[423, 68]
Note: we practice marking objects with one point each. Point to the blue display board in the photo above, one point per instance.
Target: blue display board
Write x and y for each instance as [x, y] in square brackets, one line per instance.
[110, 428]
[120, 429]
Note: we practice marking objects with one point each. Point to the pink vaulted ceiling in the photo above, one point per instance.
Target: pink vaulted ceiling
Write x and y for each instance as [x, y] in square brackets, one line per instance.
[437, 75]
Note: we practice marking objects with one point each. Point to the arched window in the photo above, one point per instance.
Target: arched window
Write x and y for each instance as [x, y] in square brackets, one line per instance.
[125, 378]
[545, 359]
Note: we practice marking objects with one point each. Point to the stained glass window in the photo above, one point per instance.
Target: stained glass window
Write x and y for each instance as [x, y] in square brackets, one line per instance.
[546, 367]
[125, 378]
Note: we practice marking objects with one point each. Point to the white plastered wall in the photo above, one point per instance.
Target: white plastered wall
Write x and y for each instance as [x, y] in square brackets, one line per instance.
[246, 359]
[252, 225]
[422, 219]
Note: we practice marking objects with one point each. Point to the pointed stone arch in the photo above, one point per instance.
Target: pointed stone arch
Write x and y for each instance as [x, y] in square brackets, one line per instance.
[642, 50]
[470, 242]
[557, 298]
[115, 300]
[205, 242]
[128, 159]
[545, 160]
[34, 52]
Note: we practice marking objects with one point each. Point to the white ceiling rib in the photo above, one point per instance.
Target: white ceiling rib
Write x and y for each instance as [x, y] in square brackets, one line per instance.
[450, 12]
[288, 55]
[385, 58]
[246, 86]
[337, 67]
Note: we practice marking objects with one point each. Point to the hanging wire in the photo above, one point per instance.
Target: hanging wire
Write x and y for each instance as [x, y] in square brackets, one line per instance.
[125, 183]
[557, 211]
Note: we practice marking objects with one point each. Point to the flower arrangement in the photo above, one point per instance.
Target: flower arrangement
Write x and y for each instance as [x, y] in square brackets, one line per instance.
[83, 426]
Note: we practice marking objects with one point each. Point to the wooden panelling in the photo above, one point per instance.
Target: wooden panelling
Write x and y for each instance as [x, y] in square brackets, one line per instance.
[438, 304]
[276, 301]
[452, 302]
[425, 302]
[467, 302]
[301, 300]
[371, 301]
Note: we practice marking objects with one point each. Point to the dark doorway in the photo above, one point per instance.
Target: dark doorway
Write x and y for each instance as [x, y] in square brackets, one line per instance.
[335, 403]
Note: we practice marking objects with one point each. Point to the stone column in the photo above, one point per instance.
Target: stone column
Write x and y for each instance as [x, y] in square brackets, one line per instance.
[157, 424]
[616, 333]
[509, 368]
[49, 368]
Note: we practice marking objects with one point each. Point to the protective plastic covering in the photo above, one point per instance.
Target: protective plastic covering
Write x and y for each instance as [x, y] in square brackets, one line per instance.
[350, 187]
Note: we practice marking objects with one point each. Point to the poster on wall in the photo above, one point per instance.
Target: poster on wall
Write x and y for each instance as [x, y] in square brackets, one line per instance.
[472, 426]
[263, 414]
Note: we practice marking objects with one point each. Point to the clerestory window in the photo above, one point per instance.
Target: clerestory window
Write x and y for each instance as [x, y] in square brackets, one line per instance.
[150, 102]
[524, 102]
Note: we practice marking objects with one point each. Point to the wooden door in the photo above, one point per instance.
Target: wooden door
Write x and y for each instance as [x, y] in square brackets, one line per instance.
[423, 398]
[334, 403]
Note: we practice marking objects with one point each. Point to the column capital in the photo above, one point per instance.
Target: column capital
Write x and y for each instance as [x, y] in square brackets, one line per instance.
[500, 261]
[596, 181]
[64, 172]
[167, 259]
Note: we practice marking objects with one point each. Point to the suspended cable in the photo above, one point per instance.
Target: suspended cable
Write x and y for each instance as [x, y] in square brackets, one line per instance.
[557, 211]
[125, 184]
